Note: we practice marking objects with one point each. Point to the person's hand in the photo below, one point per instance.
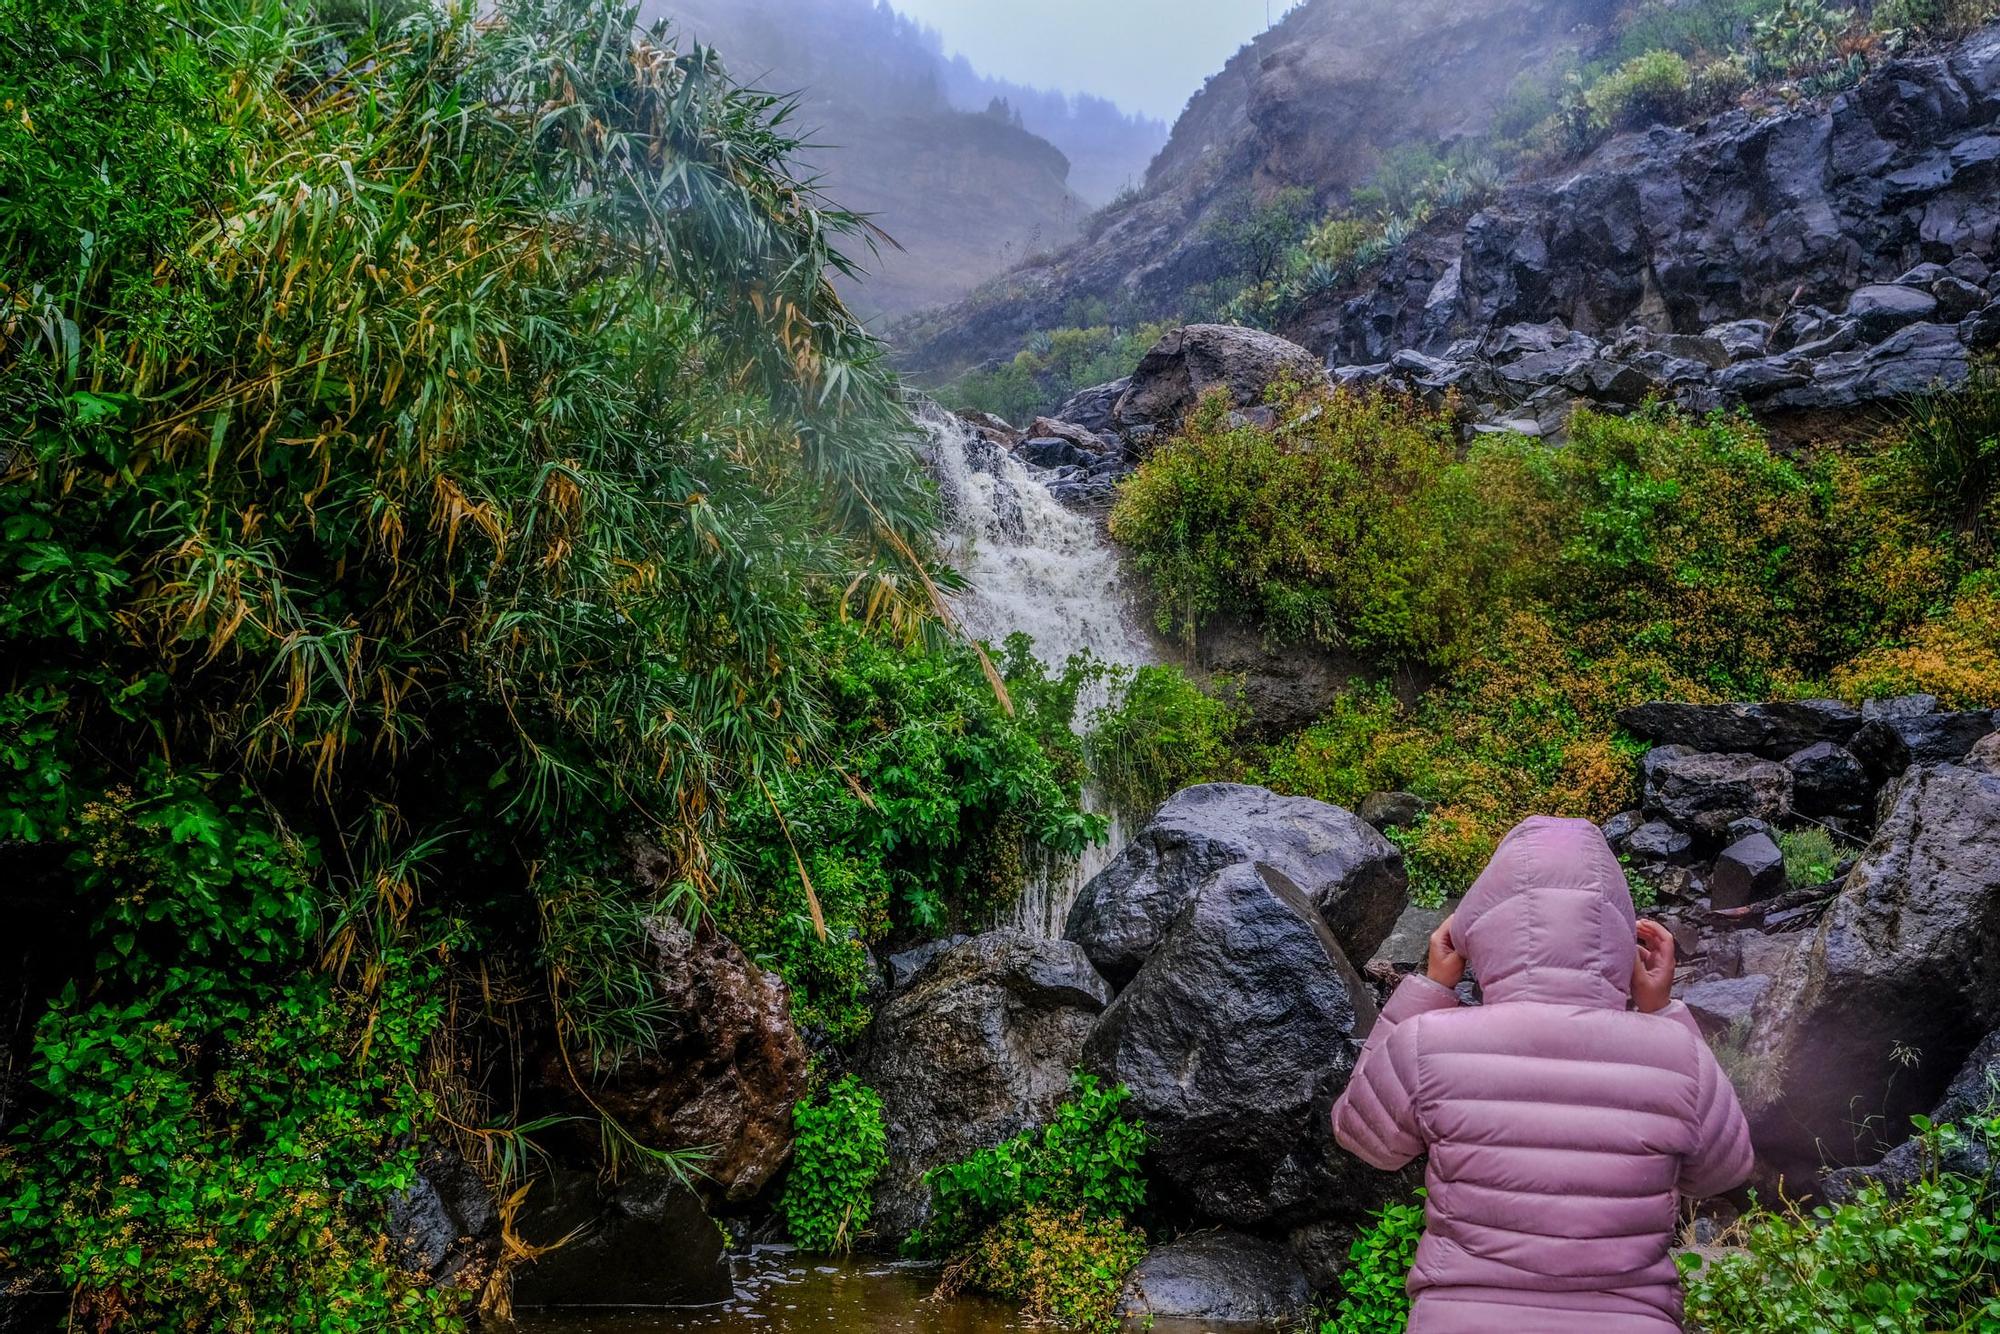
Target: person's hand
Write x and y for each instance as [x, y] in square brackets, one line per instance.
[1653, 970]
[1447, 965]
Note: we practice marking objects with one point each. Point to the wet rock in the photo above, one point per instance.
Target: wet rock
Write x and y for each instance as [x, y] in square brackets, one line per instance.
[1748, 871]
[1348, 870]
[1913, 730]
[1985, 754]
[726, 1072]
[1883, 308]
[1912, 360]
[1967, 1100]
[1084, 439]
[1409, 944]
[1830, 781]
[644, 1241]
[978, 1047]
[1620, 828]
[445, 1227]
[1703, 793]
[1049, 451]
[1742, 340]
[1770, 730]
[1092, 408]
[1980, 330]
[1900, 981]
[1721, 1003]
[1235, 1038]
[1658, 841]
[1957, 298]
[1391, 810]
[1190, 361]
[904, 967]
[1224, 1277]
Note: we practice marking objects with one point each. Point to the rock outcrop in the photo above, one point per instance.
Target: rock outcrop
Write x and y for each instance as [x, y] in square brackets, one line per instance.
[603, 1228]
[978, 1047]
[725, 1074]
[1349, 871]
[1854, 233]
[1190, 362]
[1967, 1101]
[1901, 980]
[1219, 1277]
[1235, 1037]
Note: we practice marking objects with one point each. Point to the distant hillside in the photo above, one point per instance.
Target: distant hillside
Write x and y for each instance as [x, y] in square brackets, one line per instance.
[1319, 104]
[969, 175]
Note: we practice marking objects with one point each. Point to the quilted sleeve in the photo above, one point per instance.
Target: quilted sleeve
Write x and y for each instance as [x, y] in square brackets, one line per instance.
[1722, 1157]
[1375, 1118]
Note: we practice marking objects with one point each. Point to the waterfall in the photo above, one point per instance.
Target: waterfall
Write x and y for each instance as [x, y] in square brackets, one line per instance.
[1032, 565]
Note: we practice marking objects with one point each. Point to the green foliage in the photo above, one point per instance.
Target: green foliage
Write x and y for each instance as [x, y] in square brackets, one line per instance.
[1067, 1269]
[1943, 457]
[840, 1150]
[1053, 365]
[1045, 1218]
[1810, 857]
[1086, 1159]
[1928, 1259]
[1932, 18]
[1373, 1298]
[437, 433]
[1163, 733]
[932, 807]
[1646, 90]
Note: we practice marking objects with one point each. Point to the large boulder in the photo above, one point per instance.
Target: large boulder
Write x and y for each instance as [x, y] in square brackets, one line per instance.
[1190, 361]
[1346, 868]
[642, 1241]
[1913, 729]
[1705, 794]
[1867, 1024]
[444, 1227]
[1234, 1039]
[726, 1072]
[1092, 408]
[1770, 730]
[1967, 1101]
[1219, 1277]
[979, 1047]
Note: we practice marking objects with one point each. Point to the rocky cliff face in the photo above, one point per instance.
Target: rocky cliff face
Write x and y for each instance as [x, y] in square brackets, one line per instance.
[1758, 213]
[1316, 102]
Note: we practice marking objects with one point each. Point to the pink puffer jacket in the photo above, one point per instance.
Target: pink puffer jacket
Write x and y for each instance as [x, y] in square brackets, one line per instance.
[1561, 1126]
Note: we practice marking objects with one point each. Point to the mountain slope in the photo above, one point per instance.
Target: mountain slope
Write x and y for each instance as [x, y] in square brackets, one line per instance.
[948, 162]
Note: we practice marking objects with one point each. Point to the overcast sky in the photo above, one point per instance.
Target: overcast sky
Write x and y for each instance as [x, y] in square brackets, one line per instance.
[1146, 55]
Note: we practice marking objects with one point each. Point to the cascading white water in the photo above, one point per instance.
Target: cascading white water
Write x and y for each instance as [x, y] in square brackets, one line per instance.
[1034, 566]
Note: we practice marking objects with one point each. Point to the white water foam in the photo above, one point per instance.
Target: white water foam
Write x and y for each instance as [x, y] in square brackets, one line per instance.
[1034, 566]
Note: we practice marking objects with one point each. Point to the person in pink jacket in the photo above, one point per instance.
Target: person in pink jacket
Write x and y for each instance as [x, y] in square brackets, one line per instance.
[1564, 1118]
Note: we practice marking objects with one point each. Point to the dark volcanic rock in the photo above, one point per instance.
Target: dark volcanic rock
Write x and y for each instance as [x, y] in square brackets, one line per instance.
[904, 967]
[1390, 810]
[1705, 793]
[643, 1242]
[1347, 869]
[1748, 871]
[1219, 1276]
[1190, 361]
[1092, 408]
[1235, 1038]
[1968, 1100]
[726, 1073]
[1829, 781]
[1658, 841]
[1720, 1003]
[1913, 730]
[445, 1227]
[1770, 730]
[979, 1047]
[1882, 308]
[1900, 982]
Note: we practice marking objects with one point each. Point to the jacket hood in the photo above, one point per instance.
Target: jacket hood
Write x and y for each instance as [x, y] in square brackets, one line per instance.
[1551, 918]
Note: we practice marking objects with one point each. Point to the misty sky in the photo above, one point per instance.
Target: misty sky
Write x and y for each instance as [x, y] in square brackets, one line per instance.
[1146, 55]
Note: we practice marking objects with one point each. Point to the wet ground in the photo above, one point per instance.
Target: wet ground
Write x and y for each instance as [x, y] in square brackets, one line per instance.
[781, 1292]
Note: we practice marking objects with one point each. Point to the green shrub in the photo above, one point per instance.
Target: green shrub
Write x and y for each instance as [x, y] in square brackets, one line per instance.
[1942, 459]
[1646, 90]
[1375, 1297]
[1163, 733]
[840, 1150]
[1810, 857]
[1798, 37]
[1045, 1217]
[1933, 18]
[1929, 1260]
[1954, 655]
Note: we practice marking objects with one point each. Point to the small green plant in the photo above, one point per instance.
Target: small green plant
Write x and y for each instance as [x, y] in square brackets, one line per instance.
[1645, 90]
[1943, 457]
[1928, 1259]
[1799, 37]
[1164, 733]
[841, 1149]
[1045, 1217]
[1374, 1296]
[1810, 857]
